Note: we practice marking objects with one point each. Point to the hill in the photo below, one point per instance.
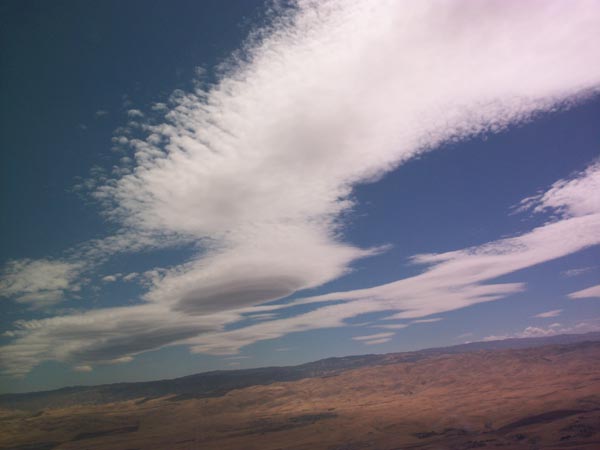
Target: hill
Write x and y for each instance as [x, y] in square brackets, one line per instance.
[543, 396]
[217, 383]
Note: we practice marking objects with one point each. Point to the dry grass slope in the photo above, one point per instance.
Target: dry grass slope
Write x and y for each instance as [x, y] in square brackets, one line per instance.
[536, 398]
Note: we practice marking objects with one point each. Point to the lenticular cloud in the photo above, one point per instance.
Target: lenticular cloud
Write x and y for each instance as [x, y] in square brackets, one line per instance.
[257, 167]
[260, 164]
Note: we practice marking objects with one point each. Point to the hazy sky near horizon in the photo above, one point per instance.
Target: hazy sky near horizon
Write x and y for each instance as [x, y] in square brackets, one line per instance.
[189, 186]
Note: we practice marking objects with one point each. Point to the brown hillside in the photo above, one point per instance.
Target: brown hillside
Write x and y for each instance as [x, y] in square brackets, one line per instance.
[538, 398]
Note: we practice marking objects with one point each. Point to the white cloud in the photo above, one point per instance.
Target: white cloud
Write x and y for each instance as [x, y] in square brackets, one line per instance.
[377, 341]
[572, 197]
[374, 339]
[551, 330]
[159, 107]
[263, 316]
[255, 271]
[111, 278]
[548, 314]
[101, 113]
[578, 271]
[39, 283]
[452, 280]
[133, 113]
[131, 276]
[259, 167]
[371, 337]
[121, 140]
[105, 336]
[257, 170]
[591, 292]
[436, 319]
[393, 326]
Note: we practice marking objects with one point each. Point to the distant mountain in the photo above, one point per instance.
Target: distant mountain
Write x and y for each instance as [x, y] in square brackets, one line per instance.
[218, 383]
[514, 343]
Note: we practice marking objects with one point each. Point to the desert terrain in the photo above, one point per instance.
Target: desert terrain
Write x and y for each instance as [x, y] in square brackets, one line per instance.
[544, 397]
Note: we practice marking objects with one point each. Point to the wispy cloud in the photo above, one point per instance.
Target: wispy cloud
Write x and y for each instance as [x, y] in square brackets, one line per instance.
[591, 292]
[373, 339]
[39, 283]
[548, 314]
[572, 197]
[131, 276]
[104, 336]
[377, 341]
[111, 278]
[576, 272]
[550, 330]
[451, 280]
[135, 113]
[256, 170]
[370, 337]
[392, 326]
[159, 107]
[269, 171]
[435, 319]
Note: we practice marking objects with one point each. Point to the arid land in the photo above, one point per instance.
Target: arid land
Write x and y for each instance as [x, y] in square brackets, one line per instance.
[544, 397]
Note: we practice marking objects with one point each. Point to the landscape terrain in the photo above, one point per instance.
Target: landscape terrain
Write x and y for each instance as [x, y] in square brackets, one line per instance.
[514, 394]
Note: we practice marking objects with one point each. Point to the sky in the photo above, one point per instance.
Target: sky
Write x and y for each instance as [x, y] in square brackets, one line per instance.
[191, 186]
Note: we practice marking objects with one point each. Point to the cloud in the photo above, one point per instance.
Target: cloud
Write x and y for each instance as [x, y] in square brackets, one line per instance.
[450, 281]
[257, 170]
[111, 278]
[377, 341]
[548, 314]
[576, 272]
[39, 283]
[572, 197]
[105, 336]
[135, 113]
[101, 113]
[256, 271]
[591, 292]
[372, 336]
[159, 107]
[551, 330]
[121, 140]
[131, 276]
[436, 319]
[399, 326]
[259, 167]
[263, 316]
[394, 326]
[373, 339]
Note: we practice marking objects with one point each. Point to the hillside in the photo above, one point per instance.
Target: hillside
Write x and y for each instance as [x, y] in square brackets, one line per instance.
[538, 397]
[217, 383]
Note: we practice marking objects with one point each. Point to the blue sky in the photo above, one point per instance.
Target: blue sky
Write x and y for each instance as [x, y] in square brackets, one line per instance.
[188, 187]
